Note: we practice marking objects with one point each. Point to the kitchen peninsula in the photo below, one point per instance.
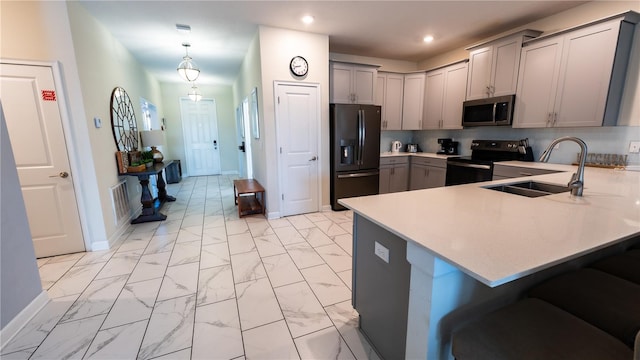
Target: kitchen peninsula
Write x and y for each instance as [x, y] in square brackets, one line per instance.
[445, 255]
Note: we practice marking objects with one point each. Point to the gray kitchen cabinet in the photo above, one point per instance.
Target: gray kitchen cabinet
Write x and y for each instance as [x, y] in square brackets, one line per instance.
[507, 172]
[352, 83]
[389, 95]
[427, 173]
[443, 97]
[574, 78]
[394, 174]
[413, 101]
[493, 66]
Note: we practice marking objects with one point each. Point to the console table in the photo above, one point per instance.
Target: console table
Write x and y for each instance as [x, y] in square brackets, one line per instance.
[150, 206]
[246, 192]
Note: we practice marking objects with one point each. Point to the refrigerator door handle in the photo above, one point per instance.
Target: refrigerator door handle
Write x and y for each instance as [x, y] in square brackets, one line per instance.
[363, 137]
[360, 135]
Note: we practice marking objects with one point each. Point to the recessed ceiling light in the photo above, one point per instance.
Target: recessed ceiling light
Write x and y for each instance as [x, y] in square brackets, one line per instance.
[307, 19]
[428, 38]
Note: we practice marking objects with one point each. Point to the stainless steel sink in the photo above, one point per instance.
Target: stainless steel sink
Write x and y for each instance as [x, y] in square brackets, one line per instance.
[530, 188]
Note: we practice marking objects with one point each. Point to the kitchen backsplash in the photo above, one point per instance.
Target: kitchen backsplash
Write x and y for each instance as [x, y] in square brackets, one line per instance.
[386, 137]
[610, 140]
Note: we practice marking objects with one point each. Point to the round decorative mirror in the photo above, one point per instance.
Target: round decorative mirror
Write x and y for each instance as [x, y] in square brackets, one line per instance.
[123, 121]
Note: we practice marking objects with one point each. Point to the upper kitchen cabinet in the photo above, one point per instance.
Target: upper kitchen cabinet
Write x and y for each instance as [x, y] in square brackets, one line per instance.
[389, 95]
[413, 101]
[493, 66]
[352, 83]
[443, 97]
[575, 77]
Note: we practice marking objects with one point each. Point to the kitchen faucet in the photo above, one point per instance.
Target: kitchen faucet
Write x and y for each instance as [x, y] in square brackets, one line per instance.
[577, 179]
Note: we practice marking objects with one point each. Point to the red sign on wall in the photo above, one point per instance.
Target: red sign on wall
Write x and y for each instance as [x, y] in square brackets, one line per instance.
[49, 95]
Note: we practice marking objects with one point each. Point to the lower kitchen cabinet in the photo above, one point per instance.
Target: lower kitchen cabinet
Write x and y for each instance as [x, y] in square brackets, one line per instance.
[394, 174]
[427, 173]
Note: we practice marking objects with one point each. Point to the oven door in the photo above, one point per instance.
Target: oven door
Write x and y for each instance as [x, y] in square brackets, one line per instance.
[465, 172]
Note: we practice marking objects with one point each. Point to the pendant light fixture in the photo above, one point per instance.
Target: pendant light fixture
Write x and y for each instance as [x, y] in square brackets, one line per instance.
[194, 94]
[187, 69]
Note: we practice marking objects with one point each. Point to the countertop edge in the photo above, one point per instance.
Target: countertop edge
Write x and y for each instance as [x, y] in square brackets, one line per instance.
[491, 281]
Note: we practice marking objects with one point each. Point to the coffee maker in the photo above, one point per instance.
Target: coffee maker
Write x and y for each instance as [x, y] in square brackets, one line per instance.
[448, 147]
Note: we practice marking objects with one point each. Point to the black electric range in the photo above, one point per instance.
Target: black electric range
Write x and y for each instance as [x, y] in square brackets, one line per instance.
[484, 153]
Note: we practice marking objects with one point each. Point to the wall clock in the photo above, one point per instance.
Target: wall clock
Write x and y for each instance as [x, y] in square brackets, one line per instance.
[299, 66]
[123, 121]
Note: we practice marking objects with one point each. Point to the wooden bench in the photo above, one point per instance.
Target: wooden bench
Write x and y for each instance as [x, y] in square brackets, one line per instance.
[249, 197]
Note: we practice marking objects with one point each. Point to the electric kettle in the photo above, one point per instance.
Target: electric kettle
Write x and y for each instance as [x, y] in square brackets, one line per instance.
[396, 146]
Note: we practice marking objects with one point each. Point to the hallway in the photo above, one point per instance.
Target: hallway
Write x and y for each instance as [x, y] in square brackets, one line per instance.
[203, 284]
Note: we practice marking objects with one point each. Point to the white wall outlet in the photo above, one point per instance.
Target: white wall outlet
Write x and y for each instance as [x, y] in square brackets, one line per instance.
[381, 252]
[634, 147]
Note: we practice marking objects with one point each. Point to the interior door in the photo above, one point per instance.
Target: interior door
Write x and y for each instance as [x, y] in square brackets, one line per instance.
[297, 118]
[240, 139]
[34, 123]
[200, 127]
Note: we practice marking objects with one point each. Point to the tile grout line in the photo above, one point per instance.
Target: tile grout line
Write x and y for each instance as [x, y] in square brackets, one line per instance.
[155, 302]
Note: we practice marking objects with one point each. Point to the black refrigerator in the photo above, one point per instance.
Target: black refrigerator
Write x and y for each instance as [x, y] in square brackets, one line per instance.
[355, 151]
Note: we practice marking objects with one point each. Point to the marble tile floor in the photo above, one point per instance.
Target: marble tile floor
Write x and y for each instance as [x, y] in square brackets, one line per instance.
[204, 284]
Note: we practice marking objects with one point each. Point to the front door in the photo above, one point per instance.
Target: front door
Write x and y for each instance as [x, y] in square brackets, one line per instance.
[200, 126]
[298, 118]
[28, 95]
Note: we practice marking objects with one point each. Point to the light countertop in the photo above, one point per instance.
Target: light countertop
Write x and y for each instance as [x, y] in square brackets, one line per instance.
[418, 154]
[498, 237]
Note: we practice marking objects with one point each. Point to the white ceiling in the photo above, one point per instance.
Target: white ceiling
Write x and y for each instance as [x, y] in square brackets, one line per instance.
[222, 30]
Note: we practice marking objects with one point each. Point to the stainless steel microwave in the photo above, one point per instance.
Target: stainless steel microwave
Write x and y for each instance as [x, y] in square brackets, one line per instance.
[493, 111]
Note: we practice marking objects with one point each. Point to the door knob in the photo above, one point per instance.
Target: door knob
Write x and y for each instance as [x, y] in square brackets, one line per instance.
[62, 174]
[313, 158]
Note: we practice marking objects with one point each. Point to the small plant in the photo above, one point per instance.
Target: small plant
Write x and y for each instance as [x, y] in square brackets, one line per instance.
[147, 156]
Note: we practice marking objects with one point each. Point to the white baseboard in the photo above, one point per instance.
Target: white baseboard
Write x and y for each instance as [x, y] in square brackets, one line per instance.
[326, 207]
[14, 326]
[113, 239]
[273, 215]
[230, 172]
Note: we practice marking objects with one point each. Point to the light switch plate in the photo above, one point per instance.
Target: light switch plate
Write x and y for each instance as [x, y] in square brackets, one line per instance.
[97, 122]
[381, 252]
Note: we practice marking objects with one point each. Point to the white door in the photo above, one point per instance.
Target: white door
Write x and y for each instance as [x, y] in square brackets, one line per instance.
[201, 143]
[297, 119]
[34, 122]
[240, 139]
[247, 137]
